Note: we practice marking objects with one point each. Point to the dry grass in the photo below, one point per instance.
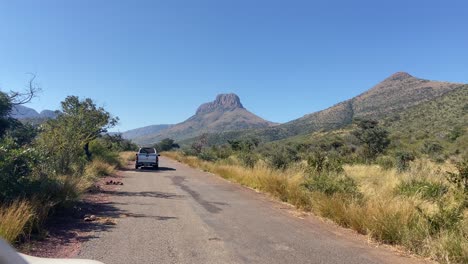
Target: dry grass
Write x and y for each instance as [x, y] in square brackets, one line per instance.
[98, 168]
[127, 156]
[285, 186]
[381, 214]
[14, 219]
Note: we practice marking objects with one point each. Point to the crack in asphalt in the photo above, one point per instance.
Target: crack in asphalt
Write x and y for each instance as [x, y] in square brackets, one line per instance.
[209, 206]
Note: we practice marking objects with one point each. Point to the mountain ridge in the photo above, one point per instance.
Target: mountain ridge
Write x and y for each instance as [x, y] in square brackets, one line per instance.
[22, 112]
[225, 113]
[394, 94]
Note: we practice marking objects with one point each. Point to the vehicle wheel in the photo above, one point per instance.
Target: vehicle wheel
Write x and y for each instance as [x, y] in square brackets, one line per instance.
[156, 167]
[136, 167]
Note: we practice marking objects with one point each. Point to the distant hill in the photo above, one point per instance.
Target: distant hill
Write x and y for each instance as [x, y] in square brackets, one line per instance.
[396, 93]
[144, 131]
[21, 112]
[443, 120]
[225, 113]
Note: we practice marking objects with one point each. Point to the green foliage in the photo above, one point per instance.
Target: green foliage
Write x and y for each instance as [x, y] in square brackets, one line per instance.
[16, 165]
[105, 153]
[117, 143]
[456, 132]
[320, 161]
[244, 144]
[208, 155]
[373, 138]
[447, 217]
[386, 162]
[65, 140]
[433, 149]
[403, 158]
[460, 178]
[5, 109]
[87, 120]
[199, 144]
[248, 159]
[425, 189]
[281, 157]
[22, 134]
[166, 144]
[332, 183]
[441, 120]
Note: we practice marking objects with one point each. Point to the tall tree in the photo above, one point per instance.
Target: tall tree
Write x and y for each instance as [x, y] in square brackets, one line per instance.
[373, 137]
[87, 120]
[66, 139]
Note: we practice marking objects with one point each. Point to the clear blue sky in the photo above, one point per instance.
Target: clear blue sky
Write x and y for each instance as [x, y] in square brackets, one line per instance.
[152, 62]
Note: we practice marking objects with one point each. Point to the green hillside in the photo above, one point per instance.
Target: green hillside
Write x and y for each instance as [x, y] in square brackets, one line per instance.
[392, 96]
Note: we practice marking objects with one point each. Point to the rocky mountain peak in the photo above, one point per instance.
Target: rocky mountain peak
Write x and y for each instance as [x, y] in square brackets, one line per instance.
[223, 102]
[399, 76]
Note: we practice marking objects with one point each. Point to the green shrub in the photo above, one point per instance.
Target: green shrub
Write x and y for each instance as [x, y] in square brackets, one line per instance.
[460, 178]
[281, 157]
[385, 162]
[403, 159]
[331, 183]
[430, 148]
[101, 152]
[166, 144]
[325, 162]
[208, 155]
[16, 167]
[248, 159]
[425, 189]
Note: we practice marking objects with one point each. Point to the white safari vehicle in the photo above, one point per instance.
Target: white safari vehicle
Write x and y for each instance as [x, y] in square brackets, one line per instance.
[147, 157]
[9, 256]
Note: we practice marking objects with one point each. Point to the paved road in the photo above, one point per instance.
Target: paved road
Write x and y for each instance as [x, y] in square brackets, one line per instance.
[182, 215]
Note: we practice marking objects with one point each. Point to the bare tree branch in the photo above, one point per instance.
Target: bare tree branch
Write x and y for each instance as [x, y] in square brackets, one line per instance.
[20, 98]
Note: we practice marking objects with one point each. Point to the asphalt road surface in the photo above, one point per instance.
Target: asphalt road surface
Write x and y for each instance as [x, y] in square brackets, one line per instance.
[182, 215]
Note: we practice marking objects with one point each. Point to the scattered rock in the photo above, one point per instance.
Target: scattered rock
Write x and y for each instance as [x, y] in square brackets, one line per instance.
[111, 182]
[90, 218]
[107, 221]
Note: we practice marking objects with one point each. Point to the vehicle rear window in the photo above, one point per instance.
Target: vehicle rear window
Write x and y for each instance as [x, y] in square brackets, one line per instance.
[147, 150]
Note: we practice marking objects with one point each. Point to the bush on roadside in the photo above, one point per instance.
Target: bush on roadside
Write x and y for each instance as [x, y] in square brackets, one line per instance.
[99, 168]
[281, 157]
[423, 188]
[208, 155]
[385, 162]
[403, 159]
[103, 154]
[325, 162]
[332, 183]
[16, 168]
[248, 159]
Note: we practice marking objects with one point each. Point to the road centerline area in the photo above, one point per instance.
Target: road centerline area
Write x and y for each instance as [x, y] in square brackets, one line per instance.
[182, 215]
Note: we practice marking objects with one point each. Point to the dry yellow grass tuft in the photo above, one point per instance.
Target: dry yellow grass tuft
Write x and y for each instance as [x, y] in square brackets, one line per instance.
[99, 168]
[14, 218]
[127, 156]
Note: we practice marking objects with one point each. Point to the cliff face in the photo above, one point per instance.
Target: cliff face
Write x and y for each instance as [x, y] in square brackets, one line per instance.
[223, 102]
[225, 113]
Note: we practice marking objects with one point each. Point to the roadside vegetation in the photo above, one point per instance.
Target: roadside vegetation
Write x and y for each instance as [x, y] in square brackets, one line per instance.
[364, 177]
[48, 166]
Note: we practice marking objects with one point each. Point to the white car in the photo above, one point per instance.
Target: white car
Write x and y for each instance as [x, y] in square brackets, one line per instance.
[147, 157]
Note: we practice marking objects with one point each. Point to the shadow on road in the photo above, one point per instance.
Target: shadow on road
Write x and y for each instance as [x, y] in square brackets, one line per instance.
[161, 195]
[66, 227]
[149, 169]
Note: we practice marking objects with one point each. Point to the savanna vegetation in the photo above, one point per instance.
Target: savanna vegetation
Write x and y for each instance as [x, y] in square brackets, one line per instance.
[48, 166]
[370, 176]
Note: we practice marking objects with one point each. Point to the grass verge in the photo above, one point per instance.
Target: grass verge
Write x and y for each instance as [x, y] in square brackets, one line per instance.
[425, 220]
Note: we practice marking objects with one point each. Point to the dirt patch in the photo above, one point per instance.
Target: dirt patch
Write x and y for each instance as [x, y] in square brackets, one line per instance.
[66, 230]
